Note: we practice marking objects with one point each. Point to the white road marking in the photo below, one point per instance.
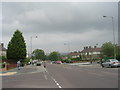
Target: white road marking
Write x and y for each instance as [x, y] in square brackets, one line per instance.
[59, 86]
[45, 76]
[57, 83]
[54, 80]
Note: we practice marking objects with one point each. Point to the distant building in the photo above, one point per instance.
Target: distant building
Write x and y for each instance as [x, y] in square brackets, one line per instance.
[2, 50]
[118, 46]
[90, 53]
[64, 57]
[74, 54]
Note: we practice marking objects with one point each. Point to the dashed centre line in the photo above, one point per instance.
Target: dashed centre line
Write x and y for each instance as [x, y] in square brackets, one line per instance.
[45, 76]
[54, 80]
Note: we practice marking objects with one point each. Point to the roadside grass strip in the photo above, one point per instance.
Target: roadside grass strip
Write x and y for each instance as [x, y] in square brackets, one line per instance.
[7, 73]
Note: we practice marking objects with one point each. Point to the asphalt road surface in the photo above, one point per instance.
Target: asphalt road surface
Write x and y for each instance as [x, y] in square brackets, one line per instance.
[64, 76]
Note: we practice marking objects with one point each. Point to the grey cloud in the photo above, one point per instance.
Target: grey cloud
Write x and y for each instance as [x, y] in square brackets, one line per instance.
[60, 17]
[60, 22]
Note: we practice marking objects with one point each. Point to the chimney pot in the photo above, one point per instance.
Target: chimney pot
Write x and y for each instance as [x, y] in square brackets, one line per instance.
[2, 44]
[95, 46]
[89, 46]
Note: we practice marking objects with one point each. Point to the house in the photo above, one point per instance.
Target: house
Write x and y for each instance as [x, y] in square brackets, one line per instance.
[2, 50]
[74, 54]
[64, 57]
[90, 53]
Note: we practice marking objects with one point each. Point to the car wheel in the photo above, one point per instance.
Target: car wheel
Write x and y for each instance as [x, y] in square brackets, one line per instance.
[110, 66]
[102, 65]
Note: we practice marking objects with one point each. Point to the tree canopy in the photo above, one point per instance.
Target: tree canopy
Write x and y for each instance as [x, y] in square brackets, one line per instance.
[16, 47]
[38, 54]
[54, 56]
[108, 49]
[118, 53]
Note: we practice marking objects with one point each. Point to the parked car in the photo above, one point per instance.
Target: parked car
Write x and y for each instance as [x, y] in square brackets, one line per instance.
[34, 61]
[59, 62]
[53, 62]
[38, 63]
[111, 63]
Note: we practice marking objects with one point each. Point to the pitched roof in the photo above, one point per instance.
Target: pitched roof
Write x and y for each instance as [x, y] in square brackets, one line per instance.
[91, 50]
[2, 48]
[74, 54]
[118, 46]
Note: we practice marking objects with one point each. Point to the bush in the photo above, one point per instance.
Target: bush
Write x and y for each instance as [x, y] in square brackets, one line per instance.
[2, 65]
[3, 57]
[25, 61]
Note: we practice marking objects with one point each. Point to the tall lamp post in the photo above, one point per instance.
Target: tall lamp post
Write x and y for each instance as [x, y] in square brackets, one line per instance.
[68, 46]
[113, 33]
[31, 43]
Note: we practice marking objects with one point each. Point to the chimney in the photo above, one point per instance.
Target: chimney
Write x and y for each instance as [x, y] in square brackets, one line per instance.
[2, 45]
[89, 46]
[95, 46]
[84, 48]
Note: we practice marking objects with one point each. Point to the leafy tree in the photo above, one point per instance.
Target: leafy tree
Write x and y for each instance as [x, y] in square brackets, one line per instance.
[118, 53]
[54, 56]
[39, 54]
[16, 47]
[108, 49]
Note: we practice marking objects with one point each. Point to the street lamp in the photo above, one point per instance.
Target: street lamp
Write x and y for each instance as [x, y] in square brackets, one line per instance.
[68, 46]
[31, 42]
[113, 33]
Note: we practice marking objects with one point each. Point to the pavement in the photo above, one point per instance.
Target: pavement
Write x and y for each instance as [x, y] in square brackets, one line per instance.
[23, 70]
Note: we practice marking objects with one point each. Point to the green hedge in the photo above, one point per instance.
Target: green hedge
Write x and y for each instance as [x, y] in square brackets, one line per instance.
[3, 57]
[2, 65]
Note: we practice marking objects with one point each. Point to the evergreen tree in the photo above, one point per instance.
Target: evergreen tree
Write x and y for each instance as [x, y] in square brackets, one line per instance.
[16, 47]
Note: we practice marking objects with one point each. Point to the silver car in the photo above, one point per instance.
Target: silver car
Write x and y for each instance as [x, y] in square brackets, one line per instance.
[39, 63]
[111, 63]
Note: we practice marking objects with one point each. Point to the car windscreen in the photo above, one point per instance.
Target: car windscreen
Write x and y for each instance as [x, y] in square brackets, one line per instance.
[114, 60]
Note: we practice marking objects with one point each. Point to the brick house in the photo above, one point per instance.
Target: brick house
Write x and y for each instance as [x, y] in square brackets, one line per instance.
[74, 54]
[89, 53]
[2, 50]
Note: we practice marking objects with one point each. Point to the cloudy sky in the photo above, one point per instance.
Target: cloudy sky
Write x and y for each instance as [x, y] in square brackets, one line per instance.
[77, 24]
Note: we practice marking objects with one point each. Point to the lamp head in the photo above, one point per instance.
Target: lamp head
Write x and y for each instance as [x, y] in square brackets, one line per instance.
[104, 16]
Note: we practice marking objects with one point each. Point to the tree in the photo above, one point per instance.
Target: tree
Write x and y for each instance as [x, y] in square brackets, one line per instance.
[16, 47]
[108, 49]
[54, 56]
[118, 53]
[39, 54]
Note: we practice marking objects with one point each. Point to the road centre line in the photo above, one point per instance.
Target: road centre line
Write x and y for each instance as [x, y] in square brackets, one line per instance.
[54, 80]
[45, 76]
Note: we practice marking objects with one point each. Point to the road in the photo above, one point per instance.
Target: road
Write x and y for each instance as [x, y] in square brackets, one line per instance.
[64, 76]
